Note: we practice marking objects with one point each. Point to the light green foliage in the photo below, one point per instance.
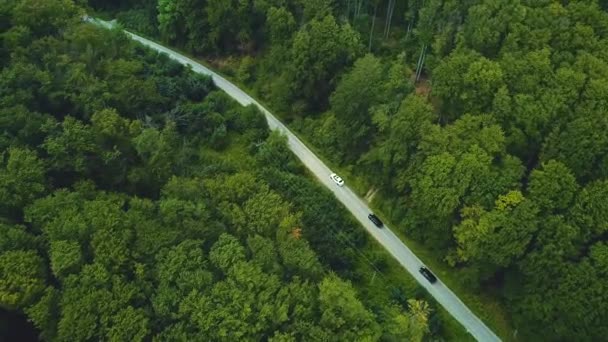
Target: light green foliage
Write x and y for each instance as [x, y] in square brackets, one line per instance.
[280, 24]
[129, 324]
[245, 70]
[411, 325]
[110, 243]
[188, 189]
[72, 148]
[113, 136]
[295, 252]
[21, 278]
[152, 235]
[323, 132]
[22, 179]
[89, 299]
[45, 17]
[184, 267]
[282, 337]
[66, 257]
[479, 145]
[401, 133]
[599, 256]
[15, 237]
[488, 22]
[396, 80]
[158, 152]
[448, 80]
[467, 82]
[226, 252]
[180, 270]
[342, 314]
[182, 206]
[264, 211]
[435, 186]
[168, 17]
[44, 313]
[59, 216]
[461, 164]
[235, 188]
[481, 81]
[112, 129]
[220, 315]
[553, 187]
[500, 236]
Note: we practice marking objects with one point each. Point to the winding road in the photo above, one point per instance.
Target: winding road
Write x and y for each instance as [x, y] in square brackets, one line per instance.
[442, 294]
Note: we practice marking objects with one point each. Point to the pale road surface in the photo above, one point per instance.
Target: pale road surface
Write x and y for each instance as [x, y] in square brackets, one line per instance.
[351, 201]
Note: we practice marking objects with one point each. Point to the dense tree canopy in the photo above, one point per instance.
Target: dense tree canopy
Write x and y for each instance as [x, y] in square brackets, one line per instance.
[483, 124]
[497, 157]
[138, 203]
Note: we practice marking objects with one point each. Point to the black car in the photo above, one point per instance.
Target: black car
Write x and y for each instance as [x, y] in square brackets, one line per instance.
[427, 274]
[375, 220]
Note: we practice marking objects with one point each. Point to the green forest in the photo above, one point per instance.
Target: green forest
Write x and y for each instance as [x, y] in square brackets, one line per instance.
[481, 124]
[139, 203]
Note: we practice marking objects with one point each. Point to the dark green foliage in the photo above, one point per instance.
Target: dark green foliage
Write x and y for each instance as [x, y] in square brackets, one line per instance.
[318, 53]
[323, 219]
[274, 152]
[501, 169]
[22, 278]
[119, 218]
[357, 92]
[15, 238]
[250, 122]
[44, 18]
[140, 20]
[22, 179]
[540, 70]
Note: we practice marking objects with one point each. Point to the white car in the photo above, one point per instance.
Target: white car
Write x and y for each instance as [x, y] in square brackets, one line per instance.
[334, 177]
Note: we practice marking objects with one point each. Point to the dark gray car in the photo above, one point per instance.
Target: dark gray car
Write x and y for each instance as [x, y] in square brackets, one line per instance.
[375, 220]
[427, 274]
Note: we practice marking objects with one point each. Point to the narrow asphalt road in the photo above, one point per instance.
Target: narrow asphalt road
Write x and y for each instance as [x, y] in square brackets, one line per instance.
[351, 201]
